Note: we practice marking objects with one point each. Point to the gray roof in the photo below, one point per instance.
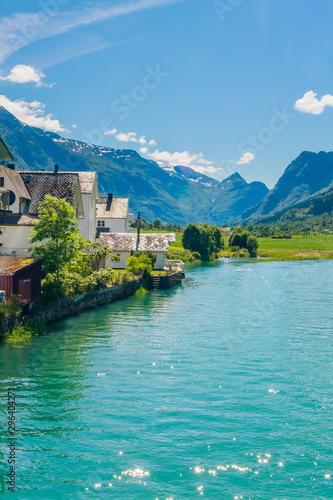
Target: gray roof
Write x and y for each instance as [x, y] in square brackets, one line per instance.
[87, 180]
[17, 220]
[118, 210]
[61, 185]
[16, 179]
[5, 154]
[125, 242]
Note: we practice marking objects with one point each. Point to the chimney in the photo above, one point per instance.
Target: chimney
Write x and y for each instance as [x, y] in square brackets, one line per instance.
[27, 179]
[11, 166]
[109, 202]
[56, 169]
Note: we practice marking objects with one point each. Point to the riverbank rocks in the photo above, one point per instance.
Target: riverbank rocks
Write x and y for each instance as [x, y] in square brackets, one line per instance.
[75, 305]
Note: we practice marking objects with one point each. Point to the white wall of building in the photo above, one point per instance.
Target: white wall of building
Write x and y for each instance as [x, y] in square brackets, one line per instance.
[15, 240]
[160, 260]
[9, 186]
[114, 225]
[87, 224]
[121, 264]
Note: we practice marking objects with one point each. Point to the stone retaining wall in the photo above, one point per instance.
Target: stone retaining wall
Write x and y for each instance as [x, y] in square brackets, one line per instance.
[74, 305]
[171, 280]
[166, 282]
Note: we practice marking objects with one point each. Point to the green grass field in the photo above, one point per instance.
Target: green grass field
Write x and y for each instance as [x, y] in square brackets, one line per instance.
[316, 246]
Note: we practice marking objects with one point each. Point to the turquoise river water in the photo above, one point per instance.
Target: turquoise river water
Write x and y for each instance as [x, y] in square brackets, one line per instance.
[220, 388]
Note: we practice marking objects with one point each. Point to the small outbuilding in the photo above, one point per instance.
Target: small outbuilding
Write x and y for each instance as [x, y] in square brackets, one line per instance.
[122, 244]
[22, 277]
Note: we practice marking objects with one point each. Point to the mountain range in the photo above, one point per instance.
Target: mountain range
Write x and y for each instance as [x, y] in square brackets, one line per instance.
[309, 176]
[178, 194]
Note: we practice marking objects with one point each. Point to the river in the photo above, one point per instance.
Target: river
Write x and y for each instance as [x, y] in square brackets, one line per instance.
[220, 388]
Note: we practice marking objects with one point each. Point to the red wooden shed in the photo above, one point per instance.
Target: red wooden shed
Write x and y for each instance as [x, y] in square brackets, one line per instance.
[20, 276]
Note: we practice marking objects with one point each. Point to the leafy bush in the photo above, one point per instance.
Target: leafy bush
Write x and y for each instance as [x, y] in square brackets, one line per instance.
[176, 253]
[242, 238]
[140, 264]
[127, 276]
[141, 291]
[243, 253]
[196, 255]
[68, 284]
[12, 310]
[22, 331]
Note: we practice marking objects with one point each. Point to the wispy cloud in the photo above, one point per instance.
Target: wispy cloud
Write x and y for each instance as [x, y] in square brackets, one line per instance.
[25, 74]
[310, 104]
[32, 113]
[22, 29]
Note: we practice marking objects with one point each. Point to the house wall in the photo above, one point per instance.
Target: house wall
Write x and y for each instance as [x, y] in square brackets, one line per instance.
[121, 264]
[87, 224]
[15, 240]
[160, 260]
[115, 225]
[9, 186]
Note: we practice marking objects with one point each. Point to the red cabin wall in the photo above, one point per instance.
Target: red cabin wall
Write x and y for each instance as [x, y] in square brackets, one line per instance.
[33, 273]
[6, 283]
[10, 283]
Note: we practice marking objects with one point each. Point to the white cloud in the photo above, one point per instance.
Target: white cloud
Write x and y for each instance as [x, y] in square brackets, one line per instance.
[165, 158]
[310, 104]
[127, 137]
[32, 113]
[246, 158]
[74, 126]
[22, 73]
[184, 158]
[24, 28]
[111, 132]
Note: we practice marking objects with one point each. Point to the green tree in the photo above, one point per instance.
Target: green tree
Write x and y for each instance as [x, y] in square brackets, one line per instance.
[242, 238]
[157, 223]
[57, 235]
[204, 239]
[191, 238]
[252, 245]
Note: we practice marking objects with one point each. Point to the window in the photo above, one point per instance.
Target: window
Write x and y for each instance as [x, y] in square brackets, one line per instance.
[0, 238]
[2, 182]
[101, 223]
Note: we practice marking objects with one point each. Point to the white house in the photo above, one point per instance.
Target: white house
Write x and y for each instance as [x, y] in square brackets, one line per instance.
[25, 190]
[113, 215]
[89, 194]
[122, 244]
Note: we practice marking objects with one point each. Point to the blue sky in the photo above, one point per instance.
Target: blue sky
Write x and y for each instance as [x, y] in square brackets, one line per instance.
[216, 85]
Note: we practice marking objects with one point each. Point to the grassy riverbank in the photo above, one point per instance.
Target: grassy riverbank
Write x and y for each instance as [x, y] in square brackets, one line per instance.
[315, 246]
